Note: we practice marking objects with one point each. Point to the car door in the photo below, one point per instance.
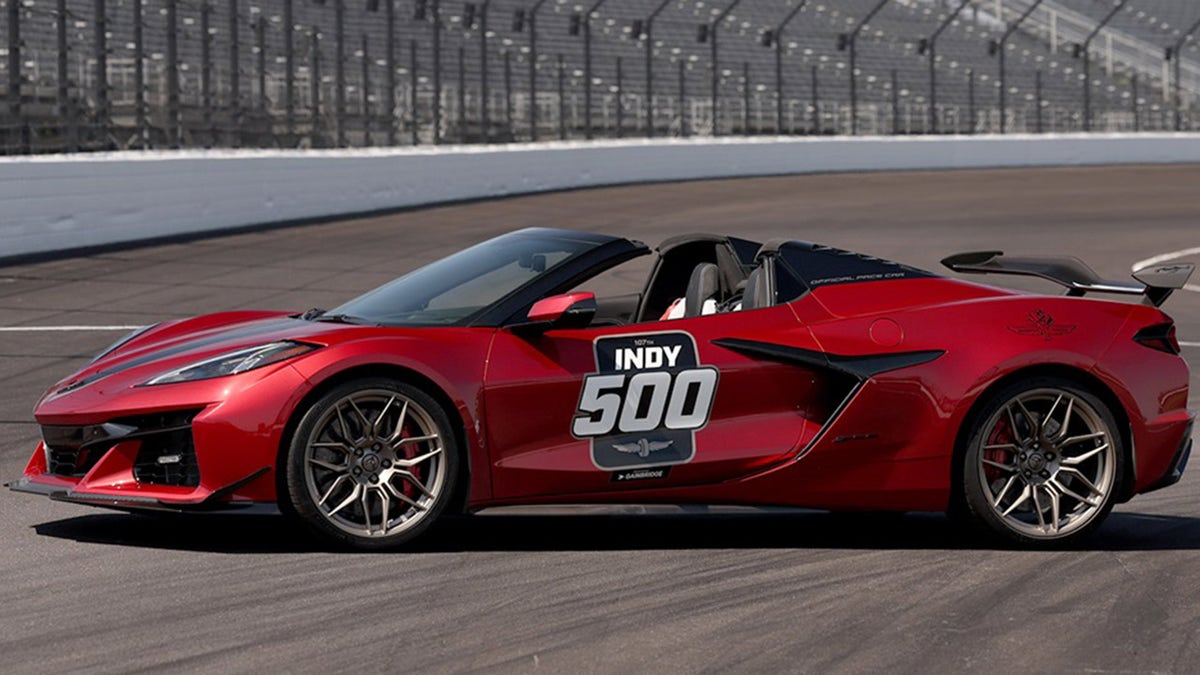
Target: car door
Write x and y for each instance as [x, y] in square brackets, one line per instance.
[651, 405]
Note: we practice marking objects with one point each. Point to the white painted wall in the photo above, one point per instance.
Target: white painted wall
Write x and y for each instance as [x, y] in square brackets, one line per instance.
[59, 202]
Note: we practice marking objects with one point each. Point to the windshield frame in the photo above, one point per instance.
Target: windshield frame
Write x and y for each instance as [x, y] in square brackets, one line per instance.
[598, 253]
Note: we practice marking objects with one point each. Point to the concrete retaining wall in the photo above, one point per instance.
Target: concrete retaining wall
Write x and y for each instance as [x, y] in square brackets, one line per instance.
[52, 203]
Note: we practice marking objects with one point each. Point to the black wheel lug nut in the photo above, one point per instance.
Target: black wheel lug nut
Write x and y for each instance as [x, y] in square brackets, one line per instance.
[387, 464]
[1022, 457]
[357, 471]
[375, 447]
[374, 478]
[1045, 474]
[358, 452]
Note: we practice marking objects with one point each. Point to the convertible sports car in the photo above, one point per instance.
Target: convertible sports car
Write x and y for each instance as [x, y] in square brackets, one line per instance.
[784, 373]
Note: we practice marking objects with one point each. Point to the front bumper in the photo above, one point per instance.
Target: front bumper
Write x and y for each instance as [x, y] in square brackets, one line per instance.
[204, 446]
[214, 502]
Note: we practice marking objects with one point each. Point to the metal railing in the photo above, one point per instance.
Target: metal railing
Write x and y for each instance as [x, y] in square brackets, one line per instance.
[300, 73]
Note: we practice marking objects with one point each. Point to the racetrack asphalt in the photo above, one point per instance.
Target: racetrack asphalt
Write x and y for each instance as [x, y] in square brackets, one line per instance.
[592, 589]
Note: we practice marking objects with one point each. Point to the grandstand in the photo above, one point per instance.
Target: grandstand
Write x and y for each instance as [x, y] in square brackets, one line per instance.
[309, 73]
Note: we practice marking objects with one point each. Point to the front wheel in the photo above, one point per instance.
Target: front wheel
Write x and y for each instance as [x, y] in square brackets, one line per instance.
[1043, 464]
[372, 464]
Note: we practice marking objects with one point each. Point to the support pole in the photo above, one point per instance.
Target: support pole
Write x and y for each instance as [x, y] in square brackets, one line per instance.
[15, 75]
[648, 44]
[366, 91]
[174, 133]
[235, 94]
[66, 111]
[620, 108]
[414, 122]
[339, 72]
[777, 42]
[289, 70]
[1176, 51]
[103, 109]
[999, 46]
[587, 67]
[852, 41]
[562, 100]
[929, 46]
[206, 66]
[389, 60]
[142, 126]
[1085, 47]
[715, 67]
[314, 87]
[484, 114]
[533, 65]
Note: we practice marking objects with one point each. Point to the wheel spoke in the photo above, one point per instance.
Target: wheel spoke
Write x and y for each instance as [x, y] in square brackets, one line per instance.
[1078, 475]
[1082, 437]
[334, 445]
[1079, 459]
[345, 428]
[366, 423]
[998, 465]
[407, 463]
[385, 509]
[415, 483]
[1050, 414]
[326, 465]
[1021, 499]
[366, 507]
[1003, 446]
[337, 482]
[1003, 491]
[1054, 509]
[1030, 420]
[377, 426]
[415, 439]
[1037, 507]
[1071, 493]
[399, 424]
[347, 501]
[1066, 423]
[1012, 423]
[403, 497]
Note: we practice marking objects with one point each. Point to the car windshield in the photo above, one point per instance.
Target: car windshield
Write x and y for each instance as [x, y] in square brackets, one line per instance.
[452, 289]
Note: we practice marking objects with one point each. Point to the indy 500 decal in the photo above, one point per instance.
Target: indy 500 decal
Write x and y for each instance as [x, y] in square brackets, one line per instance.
[646, 400]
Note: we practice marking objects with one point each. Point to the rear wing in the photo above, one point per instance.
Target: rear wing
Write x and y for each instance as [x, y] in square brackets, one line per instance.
[1156, 283]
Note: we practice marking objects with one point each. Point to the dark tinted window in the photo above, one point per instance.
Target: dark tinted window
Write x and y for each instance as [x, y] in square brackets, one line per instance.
[818, 266]
[788, 286]
[745, 250]
[454, 288]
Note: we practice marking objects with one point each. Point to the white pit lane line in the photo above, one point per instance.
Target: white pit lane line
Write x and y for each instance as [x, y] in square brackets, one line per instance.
[1166, 257]
[62, 329]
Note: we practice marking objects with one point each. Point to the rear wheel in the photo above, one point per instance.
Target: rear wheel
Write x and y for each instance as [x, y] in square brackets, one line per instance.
[1043, 464]
[372, 464]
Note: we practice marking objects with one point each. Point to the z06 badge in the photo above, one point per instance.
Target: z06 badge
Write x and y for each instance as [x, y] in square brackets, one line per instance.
[643, 405]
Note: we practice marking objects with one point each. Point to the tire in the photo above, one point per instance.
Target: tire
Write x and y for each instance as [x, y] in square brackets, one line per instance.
[372, 465]
[1055, 479]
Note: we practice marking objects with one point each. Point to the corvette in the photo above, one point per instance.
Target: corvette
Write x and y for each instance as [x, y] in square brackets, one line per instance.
[780, 373]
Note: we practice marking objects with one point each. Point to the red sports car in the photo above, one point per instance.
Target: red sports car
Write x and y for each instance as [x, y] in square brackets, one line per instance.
[784, 373]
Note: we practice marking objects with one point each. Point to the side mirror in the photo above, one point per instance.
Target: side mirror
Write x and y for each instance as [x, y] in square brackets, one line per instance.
[570, 310]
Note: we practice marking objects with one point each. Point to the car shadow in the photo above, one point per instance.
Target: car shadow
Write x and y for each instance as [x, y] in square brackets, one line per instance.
[611, 532]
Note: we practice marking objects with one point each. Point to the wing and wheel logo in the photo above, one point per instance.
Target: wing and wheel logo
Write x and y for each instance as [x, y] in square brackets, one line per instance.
[1039, 323]
[647, 398]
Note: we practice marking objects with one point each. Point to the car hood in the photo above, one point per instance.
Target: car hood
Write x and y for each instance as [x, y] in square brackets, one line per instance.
[173, 344]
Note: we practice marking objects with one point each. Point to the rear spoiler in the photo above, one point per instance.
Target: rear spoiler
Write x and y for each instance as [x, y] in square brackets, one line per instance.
[1156, 282]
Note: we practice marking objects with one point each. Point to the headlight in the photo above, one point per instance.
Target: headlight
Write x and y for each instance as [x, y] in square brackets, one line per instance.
[233, 363]
[117, 345]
